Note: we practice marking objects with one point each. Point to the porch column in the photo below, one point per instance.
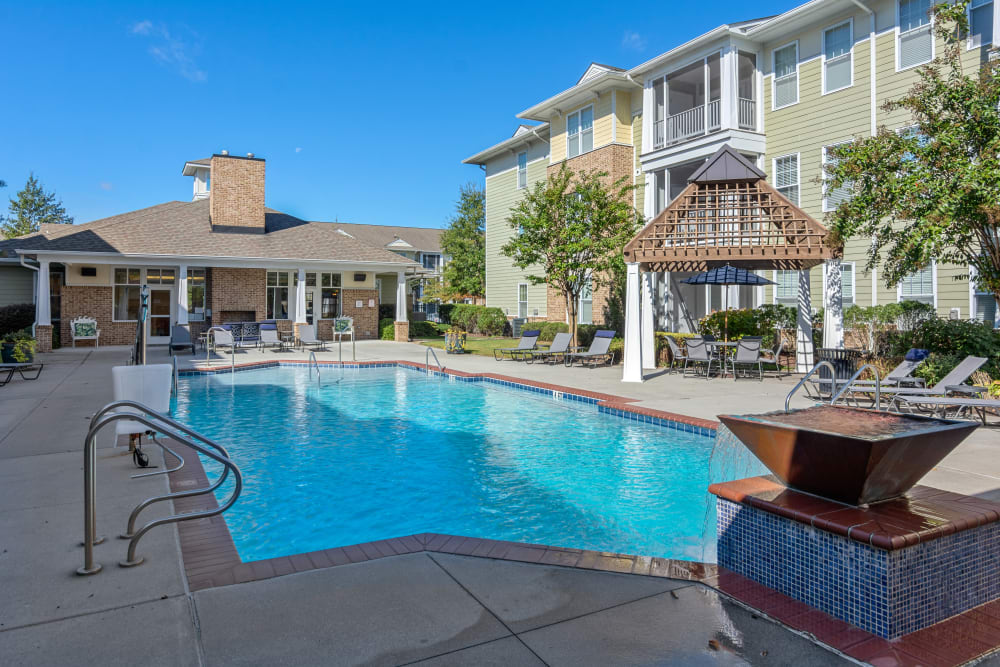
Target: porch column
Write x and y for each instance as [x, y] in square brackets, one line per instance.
[727, 71]
[300, 303]
[647, 328]
[833, 310]
[633, 336]
[803, 340]
[402, 325]
[182, 294]
[43, 314]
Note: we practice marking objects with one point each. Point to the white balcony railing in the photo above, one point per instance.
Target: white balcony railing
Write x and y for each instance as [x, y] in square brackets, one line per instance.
[687, 124]
[747, 114]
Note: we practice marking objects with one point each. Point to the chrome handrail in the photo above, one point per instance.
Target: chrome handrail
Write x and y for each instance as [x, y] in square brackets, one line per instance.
[313, 362]
[847, 385]
[833, 379]
[430, 351]
[162, 424]
[174, 377]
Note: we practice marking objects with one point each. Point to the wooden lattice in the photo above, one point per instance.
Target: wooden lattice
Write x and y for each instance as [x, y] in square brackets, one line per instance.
[746, 223]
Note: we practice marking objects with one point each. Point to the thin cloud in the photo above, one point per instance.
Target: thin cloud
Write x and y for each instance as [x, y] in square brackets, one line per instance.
[106, 186]
[176, 52]
[633, 40]
[298, 149]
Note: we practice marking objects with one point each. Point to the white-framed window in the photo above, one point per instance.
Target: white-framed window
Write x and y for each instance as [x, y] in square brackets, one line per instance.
[430, 260]
[196, 294]
[914, 34]
[983, 304]
[660, 191]
[838, 57]
[330, 305]
[126, 294]
[585, 312]
[918, 286]
[277, 295]
[786, 176]
[785, 87]
[980, 23]
[522, 170]
[846, 283]
[786, 288]
[160, 276]
[580, 132]
[522, 300]
[833, 197]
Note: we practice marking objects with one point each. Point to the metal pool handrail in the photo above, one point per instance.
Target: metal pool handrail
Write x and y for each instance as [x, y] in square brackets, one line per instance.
[878, 386]
[163, 424]
[173, 386]
[313, 362]
[833, 379]
[430, 351]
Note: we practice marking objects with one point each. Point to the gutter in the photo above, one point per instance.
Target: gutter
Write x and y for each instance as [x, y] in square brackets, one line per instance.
[871, 65]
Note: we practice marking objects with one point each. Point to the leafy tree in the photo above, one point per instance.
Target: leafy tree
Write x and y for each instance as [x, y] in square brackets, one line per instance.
[933, 192]
[33, 207]
[464, 241]
[571, 227]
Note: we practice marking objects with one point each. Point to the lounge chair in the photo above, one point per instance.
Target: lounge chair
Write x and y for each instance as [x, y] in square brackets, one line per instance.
[20, 369]
[598, 351]
[956, 377]
[180, 339]
[269, 336]
[748, 355]
[938, 406]
[901, 375]
[677, 355]
[558, 349]
[222, 337]
[528, 342]
[307, 338]
[774, 357]
[698, 352]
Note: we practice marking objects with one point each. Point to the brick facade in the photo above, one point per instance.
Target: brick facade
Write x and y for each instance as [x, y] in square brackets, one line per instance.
[96, 302]
[401, 332]
[555, 306]
[239, 291]
[365, 317]
[614, 159]
[43, 338]
[236, 196]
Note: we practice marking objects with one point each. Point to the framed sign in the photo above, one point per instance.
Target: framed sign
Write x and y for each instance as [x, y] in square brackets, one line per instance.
[357, 304]
[371, 303]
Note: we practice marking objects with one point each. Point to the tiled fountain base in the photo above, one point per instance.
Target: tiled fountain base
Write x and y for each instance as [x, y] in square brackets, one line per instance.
[891, 568]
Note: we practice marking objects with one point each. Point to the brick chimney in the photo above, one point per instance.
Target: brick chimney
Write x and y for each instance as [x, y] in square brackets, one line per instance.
[236, 195]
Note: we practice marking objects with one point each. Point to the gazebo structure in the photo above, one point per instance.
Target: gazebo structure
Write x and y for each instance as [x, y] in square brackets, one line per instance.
[728, 214]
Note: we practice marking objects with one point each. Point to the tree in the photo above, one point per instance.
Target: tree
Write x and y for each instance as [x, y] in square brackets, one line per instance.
[931, 192]
[569, 228]
[464, 241]
[33, 207]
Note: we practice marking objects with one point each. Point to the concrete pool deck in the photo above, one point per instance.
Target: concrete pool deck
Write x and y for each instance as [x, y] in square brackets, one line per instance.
[444, 607]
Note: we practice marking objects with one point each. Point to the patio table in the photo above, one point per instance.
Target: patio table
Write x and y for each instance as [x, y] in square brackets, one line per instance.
[721, 350]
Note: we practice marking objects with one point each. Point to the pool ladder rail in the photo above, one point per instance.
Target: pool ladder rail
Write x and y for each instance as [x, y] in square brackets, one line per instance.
[163, 425]
[427, 355]
[312, 363]
[835, 394]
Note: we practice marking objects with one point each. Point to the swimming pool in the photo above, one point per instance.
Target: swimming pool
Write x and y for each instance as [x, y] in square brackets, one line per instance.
[385, 452]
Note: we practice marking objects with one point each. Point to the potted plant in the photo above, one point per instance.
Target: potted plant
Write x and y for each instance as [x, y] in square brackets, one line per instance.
[17, 347]
[454, 341]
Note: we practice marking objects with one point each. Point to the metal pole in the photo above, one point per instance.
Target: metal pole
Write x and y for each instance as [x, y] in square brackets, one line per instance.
[89, 508]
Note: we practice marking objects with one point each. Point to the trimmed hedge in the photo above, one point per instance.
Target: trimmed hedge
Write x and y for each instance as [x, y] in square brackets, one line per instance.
[16, 317]
[444, 311]
[548, 330]
[424, 329]
[491, 322]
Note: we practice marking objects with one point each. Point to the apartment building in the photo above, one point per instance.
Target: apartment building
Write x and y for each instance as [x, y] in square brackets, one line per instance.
[780, 91]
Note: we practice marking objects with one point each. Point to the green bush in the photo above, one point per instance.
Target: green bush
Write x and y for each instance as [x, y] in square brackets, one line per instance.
[424, 330]
[465, 316]
[763, 321]
[548, 329]
[387, 328]
[491, 322]
[951, 338]
[936, 366]
[16, 317]
[585, 334]
[444, 311]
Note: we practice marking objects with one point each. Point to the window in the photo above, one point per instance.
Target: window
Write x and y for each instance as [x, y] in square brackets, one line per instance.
[786, 76]
[918, 286]
[126, 294]
[679, 177]
[522, 171]
[786, 289]
[786, 177]
[159, 276]
[986, 308]
[330, 301]
[580, 132]
[277, 295]
[585, 313]
[914, 41]
[196, 295]
[838, 68]
[980, 23]
[522, 300]
[833, 197]
[430, 261]
[846, 283]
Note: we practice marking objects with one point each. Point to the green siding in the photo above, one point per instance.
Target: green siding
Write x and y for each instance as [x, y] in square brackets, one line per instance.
[16, 285]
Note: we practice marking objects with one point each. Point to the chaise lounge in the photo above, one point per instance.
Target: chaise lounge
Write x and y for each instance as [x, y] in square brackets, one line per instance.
[599, 351]
[528, 342]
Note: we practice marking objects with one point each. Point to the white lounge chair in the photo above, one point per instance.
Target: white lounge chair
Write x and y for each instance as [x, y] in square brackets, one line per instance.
[221, 337]
[269, 337]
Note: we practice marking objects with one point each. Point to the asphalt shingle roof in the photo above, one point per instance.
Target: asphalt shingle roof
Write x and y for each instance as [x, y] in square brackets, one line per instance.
[421, 238]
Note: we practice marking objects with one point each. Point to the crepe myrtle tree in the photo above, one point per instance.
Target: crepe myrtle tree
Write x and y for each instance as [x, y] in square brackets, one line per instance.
[930, 191]
[569, 228]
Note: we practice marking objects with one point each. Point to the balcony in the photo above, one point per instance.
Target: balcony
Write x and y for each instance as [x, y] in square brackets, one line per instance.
[687, 124]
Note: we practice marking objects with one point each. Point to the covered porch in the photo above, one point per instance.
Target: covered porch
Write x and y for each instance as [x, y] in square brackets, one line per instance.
[727, 214]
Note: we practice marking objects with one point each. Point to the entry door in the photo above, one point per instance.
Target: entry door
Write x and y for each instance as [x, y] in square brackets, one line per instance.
[160, 301]
[312, 297]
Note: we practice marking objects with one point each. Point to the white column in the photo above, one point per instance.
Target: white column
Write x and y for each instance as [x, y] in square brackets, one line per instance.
[182, 294]
[43, 315]
[727, 72]
[833, 311]
[401, 297]
[633, 336]
[804, 341]
[300, 299]
[647, 329]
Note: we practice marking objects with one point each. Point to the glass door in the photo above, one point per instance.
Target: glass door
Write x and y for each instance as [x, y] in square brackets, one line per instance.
[160, 301]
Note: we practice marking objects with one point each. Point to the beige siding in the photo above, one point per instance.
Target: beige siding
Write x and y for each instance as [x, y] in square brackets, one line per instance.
[16, 285]
[603, 120]
[608, 127]
[640, 184]
[623, 117]
[557, 138]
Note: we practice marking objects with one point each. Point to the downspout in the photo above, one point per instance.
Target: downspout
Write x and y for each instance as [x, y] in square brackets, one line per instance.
[34, 289]
[871, 63]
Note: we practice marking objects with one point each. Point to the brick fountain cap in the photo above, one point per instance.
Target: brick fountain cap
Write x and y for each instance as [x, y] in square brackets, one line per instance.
[851, 455]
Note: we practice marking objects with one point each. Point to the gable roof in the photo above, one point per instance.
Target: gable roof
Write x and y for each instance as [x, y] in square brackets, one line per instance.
[182, 229]
[401, 238]
[726, 165]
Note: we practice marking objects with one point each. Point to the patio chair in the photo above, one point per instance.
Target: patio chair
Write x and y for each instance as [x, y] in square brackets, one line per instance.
[307, 338]
[938, 406]
[677, 355]
[774, 357]
[599, 350]
[222, 337]
[85, 328]
[528, 342]
[20, 368]
[748, 355]
[698, 352]
[180, 339]
[949, 382]
[269, 336]
[558, 348]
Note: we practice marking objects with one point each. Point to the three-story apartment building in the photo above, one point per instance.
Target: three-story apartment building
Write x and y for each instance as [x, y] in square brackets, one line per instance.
[780, 90]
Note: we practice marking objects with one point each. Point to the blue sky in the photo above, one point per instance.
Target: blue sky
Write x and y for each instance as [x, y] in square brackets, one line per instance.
[364, 112]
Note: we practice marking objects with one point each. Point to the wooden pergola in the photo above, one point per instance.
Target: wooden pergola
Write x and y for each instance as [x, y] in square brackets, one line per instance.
[727, 214]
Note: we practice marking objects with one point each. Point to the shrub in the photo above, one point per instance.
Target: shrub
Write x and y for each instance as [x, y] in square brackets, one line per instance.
[386, 311]
[491, 322]
[548, 329]
[424, 330]
[444, 311]
[585, 334]
[910, 314]
[936, 366]
[959, 338]
[763, 321]
[387, 328]
[16, 317]
[465, 316]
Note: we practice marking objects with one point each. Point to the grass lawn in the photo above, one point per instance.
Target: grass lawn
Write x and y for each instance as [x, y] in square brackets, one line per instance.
[483, 346]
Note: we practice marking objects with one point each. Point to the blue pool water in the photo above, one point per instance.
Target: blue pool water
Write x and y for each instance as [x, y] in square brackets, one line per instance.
[387, 452]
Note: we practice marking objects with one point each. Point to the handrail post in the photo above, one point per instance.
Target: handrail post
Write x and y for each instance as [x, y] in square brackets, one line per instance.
[833, 381]
[89, 507]
[857, 374]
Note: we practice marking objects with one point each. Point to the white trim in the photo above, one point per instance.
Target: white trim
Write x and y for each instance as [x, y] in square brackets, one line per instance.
[930, 27]
[798, 174]
[526, 300]
[774, 77]
[850, 55]
[970, 43]
[593, 130]
[934, 287]
[614, 116]
[77, 257]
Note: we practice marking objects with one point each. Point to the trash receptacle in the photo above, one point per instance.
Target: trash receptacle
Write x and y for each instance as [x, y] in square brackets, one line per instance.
[844, 360]
[516, 325]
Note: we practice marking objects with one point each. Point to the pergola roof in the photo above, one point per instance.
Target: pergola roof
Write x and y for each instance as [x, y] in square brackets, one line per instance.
[729, 214]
